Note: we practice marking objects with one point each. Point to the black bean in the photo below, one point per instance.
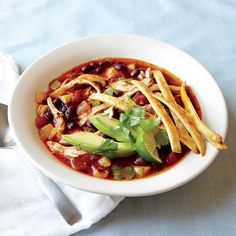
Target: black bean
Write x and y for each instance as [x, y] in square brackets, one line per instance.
[116, 113]
[119, 66]
[104, 63]
[87, 68]
[64, 108]
[134, 73]
[102, 66]
[93, 64]
[99, 69]
[70, 113]
[48, 115]
[71, 125]
[58, 103]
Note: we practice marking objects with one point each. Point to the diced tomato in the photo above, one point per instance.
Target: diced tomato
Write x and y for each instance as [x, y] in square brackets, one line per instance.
[41, 121]
[140, 99]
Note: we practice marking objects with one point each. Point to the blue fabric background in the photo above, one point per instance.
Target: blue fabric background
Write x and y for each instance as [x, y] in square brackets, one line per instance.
[204, 29]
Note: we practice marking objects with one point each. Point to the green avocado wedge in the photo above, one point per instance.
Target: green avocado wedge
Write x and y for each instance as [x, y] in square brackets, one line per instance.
[96, 144]
[109, 126]
[146, 147]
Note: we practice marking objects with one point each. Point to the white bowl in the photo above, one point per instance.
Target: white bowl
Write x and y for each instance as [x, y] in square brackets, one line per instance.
[22, 109]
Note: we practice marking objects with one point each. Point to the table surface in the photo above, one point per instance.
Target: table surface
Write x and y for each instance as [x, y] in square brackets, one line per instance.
[204, 29]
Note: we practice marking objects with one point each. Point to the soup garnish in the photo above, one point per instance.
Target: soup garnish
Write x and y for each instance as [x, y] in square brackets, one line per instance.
[121, 119]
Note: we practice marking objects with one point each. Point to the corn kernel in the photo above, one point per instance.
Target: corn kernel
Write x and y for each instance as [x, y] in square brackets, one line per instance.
[100, 174]
[141, 171]
[111, 72]
[104, 162]
[41, 110]
[46, 131]
[40, 96]
[131, 66]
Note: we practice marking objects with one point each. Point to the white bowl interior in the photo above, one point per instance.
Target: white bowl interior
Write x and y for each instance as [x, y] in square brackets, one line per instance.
[37, 76]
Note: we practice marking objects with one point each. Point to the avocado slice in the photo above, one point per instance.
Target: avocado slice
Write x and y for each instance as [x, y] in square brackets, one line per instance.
[107, 125]
[91, 142]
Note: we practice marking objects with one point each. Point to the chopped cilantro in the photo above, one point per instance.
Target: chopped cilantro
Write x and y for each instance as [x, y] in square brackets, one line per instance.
[136, 111]
[149, 124]
[162, 138]
[134, 121]
[128, 99]
[107, 148]
[109, 91]
[118, 130]
[123, 117]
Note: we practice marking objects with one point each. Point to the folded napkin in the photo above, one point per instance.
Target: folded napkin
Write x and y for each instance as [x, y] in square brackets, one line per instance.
[24, 208]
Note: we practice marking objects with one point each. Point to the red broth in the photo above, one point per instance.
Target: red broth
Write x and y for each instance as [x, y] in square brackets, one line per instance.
[87, 162]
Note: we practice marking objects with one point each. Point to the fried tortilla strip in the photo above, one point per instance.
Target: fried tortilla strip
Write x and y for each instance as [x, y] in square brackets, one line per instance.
[84, 118]
[214, 138]
[154, 88]
[185, 138]
[174, 89]
[82, 79]
[185, 119]
[159, 109]
[113, 101]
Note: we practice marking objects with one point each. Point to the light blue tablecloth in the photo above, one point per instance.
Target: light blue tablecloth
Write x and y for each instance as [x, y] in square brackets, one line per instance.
[204, 29]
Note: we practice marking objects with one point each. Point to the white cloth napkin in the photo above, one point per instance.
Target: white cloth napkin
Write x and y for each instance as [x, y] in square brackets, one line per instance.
[24, 209]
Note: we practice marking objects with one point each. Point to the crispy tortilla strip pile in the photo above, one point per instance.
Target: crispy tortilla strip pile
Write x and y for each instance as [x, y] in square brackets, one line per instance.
[188, 128]
[185, 138]
[211, 136]
[189, 125]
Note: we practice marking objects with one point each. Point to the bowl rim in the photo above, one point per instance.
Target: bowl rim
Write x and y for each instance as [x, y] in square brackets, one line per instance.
[98, 189]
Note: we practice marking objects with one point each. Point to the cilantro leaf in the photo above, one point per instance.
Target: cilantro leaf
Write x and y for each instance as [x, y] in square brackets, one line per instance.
[134, 121]
[109, 91]
[123, 117]
[123, 132]
[149, 124]
[126, 131]
[135, 131]
[162, 138]
[128, 99]
[107, 148]
[136, 111]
